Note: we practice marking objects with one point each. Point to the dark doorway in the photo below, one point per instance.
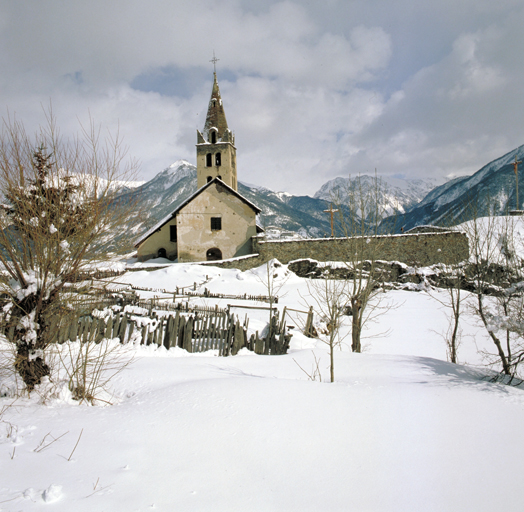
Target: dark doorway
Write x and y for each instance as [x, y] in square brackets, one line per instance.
[213, 254]
[162, 253]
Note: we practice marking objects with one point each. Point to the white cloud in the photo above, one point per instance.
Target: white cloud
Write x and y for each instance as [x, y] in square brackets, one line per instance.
[312, 90]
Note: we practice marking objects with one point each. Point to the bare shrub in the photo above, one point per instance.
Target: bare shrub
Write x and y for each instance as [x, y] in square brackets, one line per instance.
[90, 366]
[329, 298]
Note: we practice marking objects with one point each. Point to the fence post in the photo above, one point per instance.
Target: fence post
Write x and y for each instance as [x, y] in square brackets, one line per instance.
[181, 330]
[73, 330]
[116, 326]
[283, 321]
[188, 333]
[122, 329]
[237, 339]
[131, 330]
[226, 345]
[259, 345]
[167, 331]
[308, 330]
[158, 332]
[101, 326]
[173, 338]
[109, 328]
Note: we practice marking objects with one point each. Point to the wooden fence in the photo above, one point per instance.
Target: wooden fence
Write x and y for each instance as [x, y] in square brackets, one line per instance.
[191, 327]
[197, 332]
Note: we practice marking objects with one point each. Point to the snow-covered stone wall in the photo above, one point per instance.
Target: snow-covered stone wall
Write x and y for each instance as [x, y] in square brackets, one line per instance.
[419, 249]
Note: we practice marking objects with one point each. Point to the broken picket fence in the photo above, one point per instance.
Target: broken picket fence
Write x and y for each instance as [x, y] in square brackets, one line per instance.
[195, 332]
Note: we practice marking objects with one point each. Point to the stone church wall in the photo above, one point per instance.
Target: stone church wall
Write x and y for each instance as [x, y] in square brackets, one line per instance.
[421, 249]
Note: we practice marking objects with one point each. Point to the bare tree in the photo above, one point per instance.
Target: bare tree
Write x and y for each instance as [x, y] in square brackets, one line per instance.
[361, 210]
[454, 283]
[60, 214]
[497, 273]
[329, 298]
[453, 303]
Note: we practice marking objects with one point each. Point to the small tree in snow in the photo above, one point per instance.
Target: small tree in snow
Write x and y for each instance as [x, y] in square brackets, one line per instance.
[361, 210]
[60, 208]
[273, 276]
[453, 303]
[329, 298]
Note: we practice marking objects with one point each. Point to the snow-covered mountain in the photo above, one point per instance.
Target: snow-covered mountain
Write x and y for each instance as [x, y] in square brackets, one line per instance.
[491, 190]
[301, 214]
[397, 194]
[410, 202]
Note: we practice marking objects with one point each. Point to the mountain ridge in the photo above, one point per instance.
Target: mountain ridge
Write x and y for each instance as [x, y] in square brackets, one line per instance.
[302, 214]
[489, 191]
[409, 202]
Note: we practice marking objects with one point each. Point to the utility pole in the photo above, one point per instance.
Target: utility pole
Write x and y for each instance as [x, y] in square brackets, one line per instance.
[516, 170]
[331, 212]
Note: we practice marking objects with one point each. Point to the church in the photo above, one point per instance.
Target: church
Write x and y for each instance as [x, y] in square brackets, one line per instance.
[216, 222]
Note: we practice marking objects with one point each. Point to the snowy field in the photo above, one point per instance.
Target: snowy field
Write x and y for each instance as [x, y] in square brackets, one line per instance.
[401, 429]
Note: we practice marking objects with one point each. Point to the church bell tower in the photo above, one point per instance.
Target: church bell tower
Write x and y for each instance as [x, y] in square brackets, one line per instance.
[216, 152]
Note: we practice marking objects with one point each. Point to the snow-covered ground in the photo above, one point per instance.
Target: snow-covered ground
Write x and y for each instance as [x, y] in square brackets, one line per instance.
[401, 429]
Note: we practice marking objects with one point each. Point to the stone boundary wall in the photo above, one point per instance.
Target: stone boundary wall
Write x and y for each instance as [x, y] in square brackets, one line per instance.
[421, 249]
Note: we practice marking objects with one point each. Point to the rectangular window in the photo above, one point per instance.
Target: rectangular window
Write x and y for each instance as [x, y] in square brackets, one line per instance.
[216, 223]
[172, 233]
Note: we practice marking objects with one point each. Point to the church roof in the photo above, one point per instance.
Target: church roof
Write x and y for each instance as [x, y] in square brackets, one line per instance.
[166, 219]
[216, 117]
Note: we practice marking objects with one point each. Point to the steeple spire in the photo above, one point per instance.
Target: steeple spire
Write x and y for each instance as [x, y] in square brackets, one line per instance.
[216, 117]
[216, 152]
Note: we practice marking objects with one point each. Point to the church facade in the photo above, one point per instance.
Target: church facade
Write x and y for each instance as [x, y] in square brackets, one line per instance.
[216, 222]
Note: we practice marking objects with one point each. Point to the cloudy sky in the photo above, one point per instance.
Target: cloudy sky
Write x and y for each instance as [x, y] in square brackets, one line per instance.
[312, 90]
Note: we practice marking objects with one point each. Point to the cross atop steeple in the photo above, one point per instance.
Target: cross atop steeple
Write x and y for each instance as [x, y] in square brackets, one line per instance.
[214, 60]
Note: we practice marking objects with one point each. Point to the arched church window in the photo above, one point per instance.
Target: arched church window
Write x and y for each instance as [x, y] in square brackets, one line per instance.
[213, 137]
[219, 177]
[218, 159]
[209, 160]
[209, 178]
